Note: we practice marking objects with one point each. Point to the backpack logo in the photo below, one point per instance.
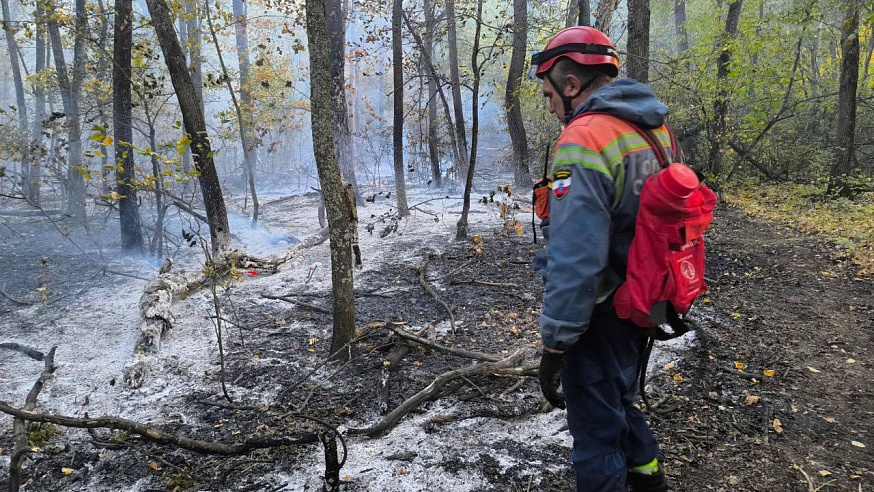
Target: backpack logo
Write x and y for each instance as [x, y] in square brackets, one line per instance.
[687, 269]
[561, 184]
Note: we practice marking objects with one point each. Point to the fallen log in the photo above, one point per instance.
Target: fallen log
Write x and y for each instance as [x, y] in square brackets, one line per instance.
[156, 314]
[24, 349]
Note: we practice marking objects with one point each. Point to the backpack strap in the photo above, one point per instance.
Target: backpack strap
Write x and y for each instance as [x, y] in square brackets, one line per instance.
[656, 146]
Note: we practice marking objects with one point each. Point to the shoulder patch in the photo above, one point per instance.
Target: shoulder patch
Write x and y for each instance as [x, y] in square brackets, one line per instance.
[561, 184]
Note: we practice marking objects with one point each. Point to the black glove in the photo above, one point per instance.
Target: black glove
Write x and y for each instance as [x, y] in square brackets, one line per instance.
[551, 364]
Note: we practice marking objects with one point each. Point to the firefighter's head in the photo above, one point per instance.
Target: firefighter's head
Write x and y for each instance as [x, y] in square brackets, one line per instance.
[575, 60]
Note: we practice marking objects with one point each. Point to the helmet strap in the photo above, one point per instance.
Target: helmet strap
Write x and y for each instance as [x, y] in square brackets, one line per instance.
[567, 101]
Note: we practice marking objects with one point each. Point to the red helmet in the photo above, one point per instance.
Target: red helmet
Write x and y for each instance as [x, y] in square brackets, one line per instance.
[582, 44]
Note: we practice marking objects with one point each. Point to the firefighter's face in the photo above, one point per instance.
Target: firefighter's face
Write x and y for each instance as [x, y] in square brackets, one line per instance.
[556, 106]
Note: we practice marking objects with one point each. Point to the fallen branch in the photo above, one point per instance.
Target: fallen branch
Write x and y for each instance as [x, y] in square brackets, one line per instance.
[24, 349]
[156, 315]
[430, 290]
[442, 348]
[20, 449]
[156, 435]
[17, 301]
[434, 388]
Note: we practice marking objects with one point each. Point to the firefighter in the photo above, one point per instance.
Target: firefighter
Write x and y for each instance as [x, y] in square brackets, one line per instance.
[600, 163]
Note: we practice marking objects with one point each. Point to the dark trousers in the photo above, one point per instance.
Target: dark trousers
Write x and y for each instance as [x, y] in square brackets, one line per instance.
[600, 385]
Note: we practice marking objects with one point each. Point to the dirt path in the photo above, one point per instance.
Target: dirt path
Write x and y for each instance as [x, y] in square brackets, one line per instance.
[795, 307]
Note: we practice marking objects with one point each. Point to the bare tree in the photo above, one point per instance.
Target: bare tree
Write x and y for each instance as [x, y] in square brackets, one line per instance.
[398, 124]
[195, 126]
[128, 210]
[32, 189]
[250, 150]
[455, 80]
[512, 106]
[845, 126]
[461, 226]
[21, 105]
[428, 55]
[638, 40]
[338, 203]
[71, 85]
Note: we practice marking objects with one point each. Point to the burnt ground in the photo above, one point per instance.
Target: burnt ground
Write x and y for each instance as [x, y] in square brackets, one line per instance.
[780, 301]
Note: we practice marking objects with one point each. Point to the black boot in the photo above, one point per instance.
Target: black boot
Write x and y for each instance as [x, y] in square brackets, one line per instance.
[638, 482]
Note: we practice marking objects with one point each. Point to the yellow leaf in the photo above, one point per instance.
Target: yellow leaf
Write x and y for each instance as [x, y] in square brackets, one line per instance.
[107, 141]
[255, 356]
[312, 351]
[768, 372]
[67, 471]
[813, 369]
[851, 361]
[735, 315]
[778, 426]
[830, 420]
[679, 378]
[857, 444]
[706, 300]
[740, 366]
[824, 473]
[98, 153]
[752, 400]
[668, 367]
[154, 466]
[345, 478]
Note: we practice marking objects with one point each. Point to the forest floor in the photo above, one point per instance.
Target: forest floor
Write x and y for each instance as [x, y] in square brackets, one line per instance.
[771, 393]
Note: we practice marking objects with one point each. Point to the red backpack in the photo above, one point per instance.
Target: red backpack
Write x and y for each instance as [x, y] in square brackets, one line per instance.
[665, 270]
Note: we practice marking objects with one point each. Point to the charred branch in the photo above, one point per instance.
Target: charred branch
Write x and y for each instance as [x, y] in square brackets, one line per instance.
[435, 388]
[20, 449]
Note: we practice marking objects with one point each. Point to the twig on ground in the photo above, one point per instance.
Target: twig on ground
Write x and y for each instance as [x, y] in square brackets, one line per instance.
[434, 388]
[430, 290]
[24, 349]
[485, 282]
[305, 305]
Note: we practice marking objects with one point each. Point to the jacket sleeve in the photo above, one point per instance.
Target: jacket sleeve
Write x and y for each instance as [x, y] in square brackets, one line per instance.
[579, 242]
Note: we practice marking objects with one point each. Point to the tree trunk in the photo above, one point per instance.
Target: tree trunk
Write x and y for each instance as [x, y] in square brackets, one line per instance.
[455, 80]
[195, 125]
[604, 15]
[461, 226]
[32, 191]
[342, 132]
[579, 13]
[680, 29]
[637, 64]
[512, 106]
[339, 206]
[74, 181]
[250, 150]
[21, 109]
[128, 210]
[428, 51]
[398, 123]
[845, 126]
[720, 105]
